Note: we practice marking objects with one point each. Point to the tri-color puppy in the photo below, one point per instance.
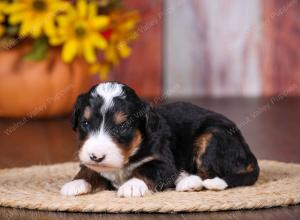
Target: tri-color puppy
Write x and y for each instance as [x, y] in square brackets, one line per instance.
[127, 145]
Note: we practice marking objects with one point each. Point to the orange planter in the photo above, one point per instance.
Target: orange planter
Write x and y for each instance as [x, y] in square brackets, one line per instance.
[39, 88]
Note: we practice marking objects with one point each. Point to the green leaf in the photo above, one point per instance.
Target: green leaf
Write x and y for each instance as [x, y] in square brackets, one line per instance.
[39, 50]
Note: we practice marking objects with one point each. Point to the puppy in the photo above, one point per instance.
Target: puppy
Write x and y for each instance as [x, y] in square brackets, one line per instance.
[133, 148]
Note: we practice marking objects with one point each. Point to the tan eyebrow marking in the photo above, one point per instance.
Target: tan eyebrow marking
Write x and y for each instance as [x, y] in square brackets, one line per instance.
[120, 117]
[87, 114]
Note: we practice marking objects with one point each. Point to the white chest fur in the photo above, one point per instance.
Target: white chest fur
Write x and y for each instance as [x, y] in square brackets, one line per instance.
[118, 177]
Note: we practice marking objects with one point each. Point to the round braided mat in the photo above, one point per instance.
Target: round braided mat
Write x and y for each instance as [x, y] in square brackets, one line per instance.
[38, 187]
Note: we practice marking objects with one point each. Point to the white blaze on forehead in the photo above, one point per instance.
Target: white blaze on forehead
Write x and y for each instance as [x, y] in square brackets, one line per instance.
[108, 91]
[100, 143]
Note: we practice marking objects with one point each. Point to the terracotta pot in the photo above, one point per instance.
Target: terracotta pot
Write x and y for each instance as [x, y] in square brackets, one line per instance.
[39, 88]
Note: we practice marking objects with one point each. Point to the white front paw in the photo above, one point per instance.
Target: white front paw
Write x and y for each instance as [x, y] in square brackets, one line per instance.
[76, 187]
[189, 183]
[133, 188]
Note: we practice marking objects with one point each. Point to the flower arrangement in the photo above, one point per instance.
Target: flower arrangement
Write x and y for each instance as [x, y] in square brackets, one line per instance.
[97, 30]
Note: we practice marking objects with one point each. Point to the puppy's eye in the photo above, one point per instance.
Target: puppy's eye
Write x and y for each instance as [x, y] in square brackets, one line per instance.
[85, 124]
[121, 129]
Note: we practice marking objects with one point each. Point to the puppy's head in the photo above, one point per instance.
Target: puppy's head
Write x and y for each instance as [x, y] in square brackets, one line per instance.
[109, 121]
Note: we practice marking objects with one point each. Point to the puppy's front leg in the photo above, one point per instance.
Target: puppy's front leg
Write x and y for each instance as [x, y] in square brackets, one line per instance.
[154, 176]
[84, 182]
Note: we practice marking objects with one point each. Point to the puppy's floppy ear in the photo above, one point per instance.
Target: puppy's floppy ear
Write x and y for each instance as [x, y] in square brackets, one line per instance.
[81, 102]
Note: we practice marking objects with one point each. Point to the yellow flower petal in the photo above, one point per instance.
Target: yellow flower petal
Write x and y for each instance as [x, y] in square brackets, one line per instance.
[100, 21]
[69, 50]
[49, 27]
[60, 6]
[3, 6]
[82, 8]
[99, 41]
[55, 40]
[111, 55]
[124, 50]
[24, 29]
[15, 7]
[15, 18]
[89, 52]
[92, 9]
[62, 20]
[36, 30]
[129, 25]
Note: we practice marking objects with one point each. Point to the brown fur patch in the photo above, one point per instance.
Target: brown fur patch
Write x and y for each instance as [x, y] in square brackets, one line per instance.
[203, 173]
[92, 177]
[201, 144]
[87, 114]
[249, 168]
[120, 117]
[149, 183]
[132, 147]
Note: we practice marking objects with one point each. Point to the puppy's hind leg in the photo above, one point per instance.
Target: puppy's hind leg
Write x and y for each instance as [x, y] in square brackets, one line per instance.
[223, 160]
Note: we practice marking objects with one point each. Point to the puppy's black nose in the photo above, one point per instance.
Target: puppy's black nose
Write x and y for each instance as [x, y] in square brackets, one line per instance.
[93, 157]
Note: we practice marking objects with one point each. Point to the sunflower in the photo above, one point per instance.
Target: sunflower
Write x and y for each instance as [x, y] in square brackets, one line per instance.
[35, 16]
[119, 34]
[123, 25]
[79, 31]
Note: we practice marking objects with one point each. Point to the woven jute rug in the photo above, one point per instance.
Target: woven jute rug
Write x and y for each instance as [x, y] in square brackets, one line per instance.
[38, 188]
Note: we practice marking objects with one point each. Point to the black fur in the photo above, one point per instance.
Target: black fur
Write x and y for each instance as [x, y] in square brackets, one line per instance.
[227, 154]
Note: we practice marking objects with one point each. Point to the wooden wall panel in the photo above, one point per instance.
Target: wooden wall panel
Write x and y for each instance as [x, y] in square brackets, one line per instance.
[212, 48]
[233, 47]
[281, 66]
[142, 70]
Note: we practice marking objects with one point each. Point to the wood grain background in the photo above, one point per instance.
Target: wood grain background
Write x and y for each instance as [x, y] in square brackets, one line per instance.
[232, 47]
[281, 63]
